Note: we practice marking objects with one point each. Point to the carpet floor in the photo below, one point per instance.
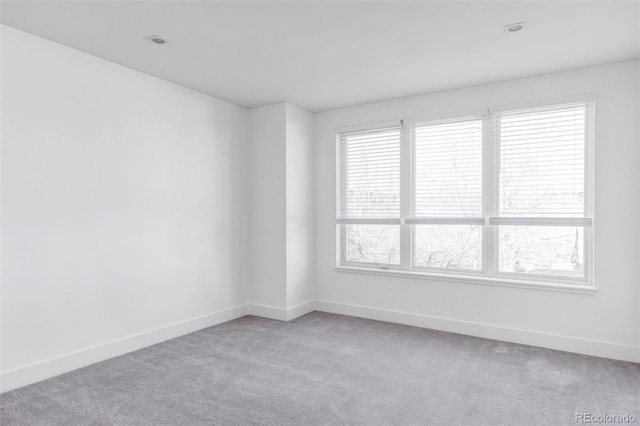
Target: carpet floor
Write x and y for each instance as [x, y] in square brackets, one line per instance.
[326, 369]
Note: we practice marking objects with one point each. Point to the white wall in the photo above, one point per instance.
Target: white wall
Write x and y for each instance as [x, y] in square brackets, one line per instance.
[300, 260]
[605, 323]
[281, 231]
[126, 199]
[123, 209]
[267, 183]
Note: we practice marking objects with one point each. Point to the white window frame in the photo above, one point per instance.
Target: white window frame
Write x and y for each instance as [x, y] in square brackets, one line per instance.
[490, 273]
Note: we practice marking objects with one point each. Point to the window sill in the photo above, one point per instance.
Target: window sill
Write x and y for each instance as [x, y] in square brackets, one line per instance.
[466, 279]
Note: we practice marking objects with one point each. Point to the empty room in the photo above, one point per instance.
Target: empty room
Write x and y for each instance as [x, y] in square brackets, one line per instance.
[319, 213]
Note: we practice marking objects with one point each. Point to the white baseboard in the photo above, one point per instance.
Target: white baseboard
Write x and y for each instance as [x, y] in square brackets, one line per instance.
[281, 314]
[300, 310]
[270, 312]
[551, 341]
[33, 373]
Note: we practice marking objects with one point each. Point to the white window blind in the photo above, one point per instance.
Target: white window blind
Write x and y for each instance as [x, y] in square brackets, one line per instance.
[495, 194]
[369, 176]
[543, 179]
[446, 200]
[542, 156]
[369, 195]
[447, 170]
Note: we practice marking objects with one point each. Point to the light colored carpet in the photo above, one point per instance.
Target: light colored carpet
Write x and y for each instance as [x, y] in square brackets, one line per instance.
[325, 369]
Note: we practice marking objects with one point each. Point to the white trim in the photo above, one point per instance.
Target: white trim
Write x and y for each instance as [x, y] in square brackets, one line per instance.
[541, 221]
[407, 201]
[487, 331]
[380, 125]
[372, 221]
[570, 286]
[32, 373]
[447, 116]
[341, 244]
[589, 191]
[36, 372]
[445, 220]
[281, 314]
[566, 100]
[490, 189]
[300, 310]
[270, 312]
[42, 370]
[490, 161]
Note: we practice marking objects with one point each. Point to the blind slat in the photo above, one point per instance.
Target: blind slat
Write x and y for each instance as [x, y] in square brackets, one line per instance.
[369, 176]
[448, 167]
[541, 166]
[542, 160]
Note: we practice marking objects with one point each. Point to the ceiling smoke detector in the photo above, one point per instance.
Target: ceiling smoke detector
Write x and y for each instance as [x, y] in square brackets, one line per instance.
[514, 28]
[156, 39]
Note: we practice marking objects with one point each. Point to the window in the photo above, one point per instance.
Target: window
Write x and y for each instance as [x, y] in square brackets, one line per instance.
[370, 202]
[502, 195]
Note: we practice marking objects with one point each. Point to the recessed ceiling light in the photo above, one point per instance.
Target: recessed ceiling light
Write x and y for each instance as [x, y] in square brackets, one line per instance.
[156, 39]
[514, 28]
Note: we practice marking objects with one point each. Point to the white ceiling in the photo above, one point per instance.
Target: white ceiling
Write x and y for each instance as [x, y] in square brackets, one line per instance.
[322, 55]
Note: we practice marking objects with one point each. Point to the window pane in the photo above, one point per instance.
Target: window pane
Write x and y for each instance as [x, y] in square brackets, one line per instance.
[371, 174]
[542, 162]
[373, 243]
[448, 169]
[543, 250]
[448, 246]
